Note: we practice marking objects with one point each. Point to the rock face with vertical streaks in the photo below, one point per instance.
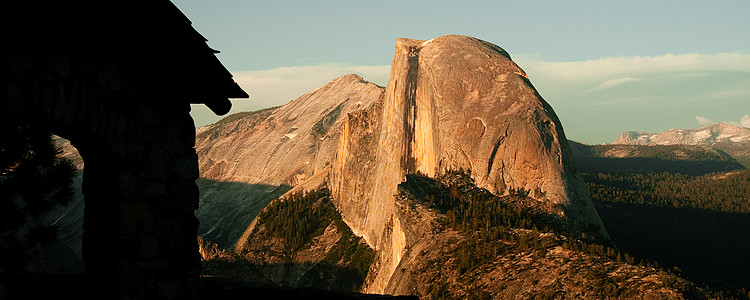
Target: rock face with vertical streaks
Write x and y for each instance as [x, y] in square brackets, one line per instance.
[453, 102]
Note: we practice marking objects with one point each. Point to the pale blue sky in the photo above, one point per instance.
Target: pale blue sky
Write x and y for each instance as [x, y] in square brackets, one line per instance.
[604, 66]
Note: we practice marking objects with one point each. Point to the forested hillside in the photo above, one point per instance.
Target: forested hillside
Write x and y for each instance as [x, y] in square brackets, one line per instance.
[481, 246]
[689, 211]
[724, 192]
[684, 159]
[299, 241]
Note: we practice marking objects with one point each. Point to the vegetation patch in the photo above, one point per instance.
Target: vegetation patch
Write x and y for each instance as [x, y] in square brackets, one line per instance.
[299, 217]
[724, 191]
[697, 224]
[293, 238]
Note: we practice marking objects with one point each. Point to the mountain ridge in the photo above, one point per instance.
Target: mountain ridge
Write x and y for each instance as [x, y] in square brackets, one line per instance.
[706, 135]
[725, 137]
[248, 159]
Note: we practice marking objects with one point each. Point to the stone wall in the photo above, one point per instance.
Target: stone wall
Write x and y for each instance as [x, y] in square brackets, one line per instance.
[137, 141]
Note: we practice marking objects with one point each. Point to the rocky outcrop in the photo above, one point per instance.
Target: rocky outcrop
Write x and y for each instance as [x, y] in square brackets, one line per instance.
[451, 103]
[248, 159]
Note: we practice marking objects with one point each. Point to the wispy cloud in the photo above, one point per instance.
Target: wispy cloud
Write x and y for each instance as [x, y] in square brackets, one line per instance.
[281, 85]
[596, 99]
[278, 86]
[685, 76]
[703, 121]
[616, 67]
[743, 122]
[677, 72]
[611, 83]
[599, 98]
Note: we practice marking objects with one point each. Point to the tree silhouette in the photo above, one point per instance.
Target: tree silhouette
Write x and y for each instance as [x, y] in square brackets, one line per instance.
[33, 181]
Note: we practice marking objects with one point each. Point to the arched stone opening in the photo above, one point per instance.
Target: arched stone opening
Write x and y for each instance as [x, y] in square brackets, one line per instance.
[67, 219]
[99, 80]
[36, 189]
[139, 182]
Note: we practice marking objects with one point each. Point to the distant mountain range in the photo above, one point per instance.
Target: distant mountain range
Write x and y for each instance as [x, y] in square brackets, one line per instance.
[704, 136]
[724, 137]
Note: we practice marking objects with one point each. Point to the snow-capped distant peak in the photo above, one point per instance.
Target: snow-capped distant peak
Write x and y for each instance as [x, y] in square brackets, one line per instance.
[707, 136]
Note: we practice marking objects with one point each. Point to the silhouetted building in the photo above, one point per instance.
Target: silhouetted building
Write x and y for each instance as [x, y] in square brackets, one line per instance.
[117, 78]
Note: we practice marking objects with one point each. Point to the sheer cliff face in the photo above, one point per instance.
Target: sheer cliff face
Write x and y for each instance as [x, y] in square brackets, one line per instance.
[453, 102]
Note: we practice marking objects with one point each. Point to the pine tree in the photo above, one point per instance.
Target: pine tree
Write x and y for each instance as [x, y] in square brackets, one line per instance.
[33, 181]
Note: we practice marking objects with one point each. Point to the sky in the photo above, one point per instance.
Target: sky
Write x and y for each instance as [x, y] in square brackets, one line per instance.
[604, 66]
